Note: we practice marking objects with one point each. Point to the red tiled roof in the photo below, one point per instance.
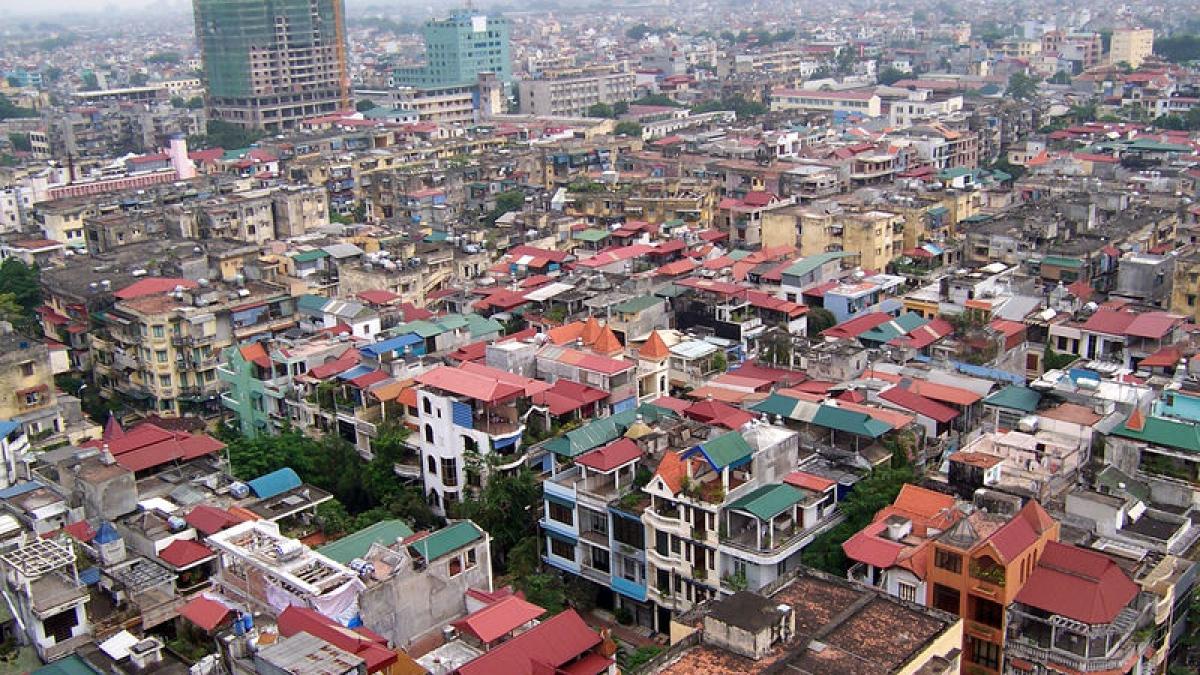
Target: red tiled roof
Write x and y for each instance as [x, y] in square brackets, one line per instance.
[615, 454]
[1167, 357]
[923, 336]
[595, 362]
[373, 650]
[464, 383]
[148, 445]
[866, 547]
[808, 481]
[499, 618]
[1078, 584]
[210, 519]
[715, 412]
[256, 353]
[919, 404]
[676, 268]
[852, 328]
[341, 364]
[80, 531]
[1152, 325]
[378, 296]
[944, 392]
[673, 404]
[543, 649]
[373, 377]
[1109, 321]
[565, 396]
[205, 613]
[183, 553]
[922, 501]
[152, 286]
[1020, 532]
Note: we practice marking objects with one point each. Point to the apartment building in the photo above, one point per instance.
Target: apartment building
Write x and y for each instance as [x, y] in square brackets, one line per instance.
[861, 102]
[1131, 45]
[160, 343]
[268, 65]
[28, 396]
[570, 92]
[980, 565]
[458, 48]
[875, 236]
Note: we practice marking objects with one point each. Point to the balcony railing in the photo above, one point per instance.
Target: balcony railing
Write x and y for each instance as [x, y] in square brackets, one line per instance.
[1073, 661]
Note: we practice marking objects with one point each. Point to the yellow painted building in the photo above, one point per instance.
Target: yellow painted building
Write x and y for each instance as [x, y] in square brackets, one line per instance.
[1185, 291]
[875, 236]
[1131, 45]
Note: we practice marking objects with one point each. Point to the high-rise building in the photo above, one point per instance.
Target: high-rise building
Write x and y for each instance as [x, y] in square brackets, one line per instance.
[1131, 45]
[269, 63]
[458, 49]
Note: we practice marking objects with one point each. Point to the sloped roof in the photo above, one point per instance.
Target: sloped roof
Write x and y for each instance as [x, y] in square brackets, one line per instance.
[472, 385]
[205, 613]
[1015, 397]
[654, 348]
[153, 286]
[919, 404]
[715, 412]
[769, 501]
[147, 445]
[1078, 584]
[275, 483]
[296, 619]
[1163, 431]
[725, 450]
[615, 454]
[210, 519]
[183, 553]
[445, 540]
[499, 618]
[542, 649]
[356, 544]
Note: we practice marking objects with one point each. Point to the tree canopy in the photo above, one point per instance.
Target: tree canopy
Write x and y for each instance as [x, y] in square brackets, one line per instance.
[1178, 48]
[222, 134]
[868, 496]
[892, 75]
[1021, 87]
[23, 284]
[9, 110]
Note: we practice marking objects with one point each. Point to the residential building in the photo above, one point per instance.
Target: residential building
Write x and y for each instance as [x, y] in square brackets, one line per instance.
[1131, 46]
[857, 102]
[459, 48]
[981, 563]
[1078, 610]
[41, 580]
[570, 92]
[268, 65]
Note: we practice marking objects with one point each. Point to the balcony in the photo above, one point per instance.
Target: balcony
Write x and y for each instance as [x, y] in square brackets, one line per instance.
[1032, 652]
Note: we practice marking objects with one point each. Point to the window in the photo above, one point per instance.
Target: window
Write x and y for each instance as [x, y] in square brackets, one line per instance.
[907, 592]
[629, 532]
[158, 332]
[449, 472]
[951, 562]
[160, 356]
[472, 560]
[983, 653]
[561, 514]
[164, 380]
[562, 549]
[431, 465]
[946, 599]
[427, 406]
[27, 369]
[428, 433]
[455, 566]
[987, 612]
[600, 559]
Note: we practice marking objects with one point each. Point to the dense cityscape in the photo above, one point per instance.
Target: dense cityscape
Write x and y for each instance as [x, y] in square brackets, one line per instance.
[340, 337]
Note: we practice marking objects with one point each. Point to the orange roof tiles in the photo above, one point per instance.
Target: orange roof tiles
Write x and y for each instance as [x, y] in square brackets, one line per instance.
[654, 349]
[607, 343]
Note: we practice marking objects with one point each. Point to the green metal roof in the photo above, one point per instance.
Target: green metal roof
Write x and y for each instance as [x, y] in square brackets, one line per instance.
[955, 172]
[70, 665]
[1062, 261]
[901, 325]
[812, 262]
[737, 254]
[639, 304]
[311, 303]
[356, 545]
[480, 326]
[775, 404]
[593, 235]
[769, 501]
[601, 431]
[1117, 481]
[436, 236]
[726, 450]
[309, 256]
[849, 421]
[1168, 433]
[1015, 397]
[447, 539]
[937, 211]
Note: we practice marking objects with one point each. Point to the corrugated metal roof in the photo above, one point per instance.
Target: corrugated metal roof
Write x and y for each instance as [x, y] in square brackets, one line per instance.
[769, 501]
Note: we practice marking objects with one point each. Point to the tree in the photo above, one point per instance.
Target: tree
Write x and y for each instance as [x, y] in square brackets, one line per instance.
[90, 81]
[8, 110]
[364, 105]
[892, 75]
[139, 80]
[20, 142]
[222, 134]
[631, 129]
[657, 99]
[819, 320]
[1178, 48]
[506, 508]
[1021, 86]
[869, 495]
[178, 102]
[164, 57]
[195, 103]
[600, 110]
[639, 31]
[23, 283]
[52, 74]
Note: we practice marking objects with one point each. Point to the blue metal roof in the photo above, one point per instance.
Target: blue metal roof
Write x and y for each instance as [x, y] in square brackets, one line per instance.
[19, 489]
[90, 576]
[106, 534]
[391, 345]
[274, 483]
[356, 371]
[8, 426]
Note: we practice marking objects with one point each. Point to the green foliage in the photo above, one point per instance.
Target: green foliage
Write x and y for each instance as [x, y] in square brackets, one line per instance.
[8, 110]
[1189, 121]
[507, 201]
[640, 31]
[819, 320]
[720, 362]
[1007, 167]
[90, 81]
[632, 129]
[601, 110]
[24, 285]
[1021, 87]
[164, 57]
[222, 134]
[195, 103]
[657, 99]
[738, 104]
[178, 102]
[139, 80]
[20, 142]
[544, 590]
[52, 74]
[364, 105]
[1052, 360]
[1060, 77]
[891, 75]
[1178, 48]
[869, 495]
[630, 663]
[507, 508]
